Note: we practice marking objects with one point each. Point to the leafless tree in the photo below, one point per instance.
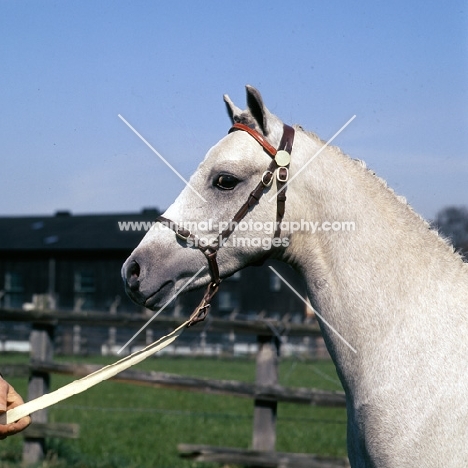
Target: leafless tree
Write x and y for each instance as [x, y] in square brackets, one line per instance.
[452, 222]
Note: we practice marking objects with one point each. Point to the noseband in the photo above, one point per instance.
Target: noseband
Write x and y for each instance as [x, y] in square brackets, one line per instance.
[281, 158]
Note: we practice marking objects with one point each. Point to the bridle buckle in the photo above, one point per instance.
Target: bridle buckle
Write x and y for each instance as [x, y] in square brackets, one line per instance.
[282, 174]
[183, 234]
[269, 181]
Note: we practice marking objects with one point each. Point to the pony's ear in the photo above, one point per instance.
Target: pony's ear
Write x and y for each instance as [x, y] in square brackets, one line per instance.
[258, 110]
[256, 116]
[233, 111]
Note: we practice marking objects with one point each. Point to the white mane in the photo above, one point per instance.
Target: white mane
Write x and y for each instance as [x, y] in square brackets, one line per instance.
[402, 199]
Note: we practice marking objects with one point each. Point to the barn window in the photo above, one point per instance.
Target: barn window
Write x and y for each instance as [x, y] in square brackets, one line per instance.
[84, 288]
[275, 282]
[14, 290]
[227, 301]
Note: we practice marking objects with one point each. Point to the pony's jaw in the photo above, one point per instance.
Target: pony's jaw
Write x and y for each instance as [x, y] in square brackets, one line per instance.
[158, 298]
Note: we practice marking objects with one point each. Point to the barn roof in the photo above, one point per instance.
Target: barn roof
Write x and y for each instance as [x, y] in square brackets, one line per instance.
[64, 231]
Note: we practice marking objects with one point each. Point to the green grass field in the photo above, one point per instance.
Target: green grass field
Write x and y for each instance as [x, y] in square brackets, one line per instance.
[123, 425]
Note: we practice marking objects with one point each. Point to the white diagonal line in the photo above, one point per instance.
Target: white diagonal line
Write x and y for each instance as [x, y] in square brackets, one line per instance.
[308, 305]
[314, 156]
[158, 154]
[161, 309]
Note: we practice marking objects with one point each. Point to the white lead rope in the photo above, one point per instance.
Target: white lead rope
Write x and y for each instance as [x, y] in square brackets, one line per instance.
[90, 380]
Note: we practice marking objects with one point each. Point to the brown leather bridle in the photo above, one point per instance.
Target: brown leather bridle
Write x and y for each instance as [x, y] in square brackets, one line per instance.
[279, 164]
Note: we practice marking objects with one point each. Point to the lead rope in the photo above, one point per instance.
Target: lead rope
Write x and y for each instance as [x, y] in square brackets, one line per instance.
[281, 158]
[80, 385]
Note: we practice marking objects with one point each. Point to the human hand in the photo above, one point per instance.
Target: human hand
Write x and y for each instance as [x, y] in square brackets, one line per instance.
[9, 399]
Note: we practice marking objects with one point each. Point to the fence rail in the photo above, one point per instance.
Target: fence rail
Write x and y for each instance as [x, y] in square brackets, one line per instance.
[58, 430]
[105, 319]
[258, 458]
[278, 393]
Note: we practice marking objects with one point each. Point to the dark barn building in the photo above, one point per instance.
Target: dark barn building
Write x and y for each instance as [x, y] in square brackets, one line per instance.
[76, 261]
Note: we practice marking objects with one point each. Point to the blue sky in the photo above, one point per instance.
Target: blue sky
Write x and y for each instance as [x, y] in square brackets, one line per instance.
[69, 68]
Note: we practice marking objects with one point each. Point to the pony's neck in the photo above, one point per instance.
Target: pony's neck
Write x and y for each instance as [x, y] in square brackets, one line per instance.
[364, 279]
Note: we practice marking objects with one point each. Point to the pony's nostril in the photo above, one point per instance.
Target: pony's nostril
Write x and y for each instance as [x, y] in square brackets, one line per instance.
[133, 275]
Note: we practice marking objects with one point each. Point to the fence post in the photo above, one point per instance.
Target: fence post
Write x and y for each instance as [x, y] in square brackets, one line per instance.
[264, 424]
[41, 342]
[112, 342]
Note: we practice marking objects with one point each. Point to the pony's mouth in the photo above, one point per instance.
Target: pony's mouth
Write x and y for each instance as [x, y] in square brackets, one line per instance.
[154, 301]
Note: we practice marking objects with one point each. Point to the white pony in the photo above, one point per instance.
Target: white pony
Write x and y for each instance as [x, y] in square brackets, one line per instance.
[392, 295]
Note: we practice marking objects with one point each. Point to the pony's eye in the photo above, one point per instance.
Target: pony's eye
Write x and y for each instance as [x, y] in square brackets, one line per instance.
[225, 182]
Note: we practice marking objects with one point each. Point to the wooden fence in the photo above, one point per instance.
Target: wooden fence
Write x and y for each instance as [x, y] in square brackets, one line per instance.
[266, 392]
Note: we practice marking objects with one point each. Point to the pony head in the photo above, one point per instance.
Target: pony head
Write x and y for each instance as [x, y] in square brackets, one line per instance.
[205, 216]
